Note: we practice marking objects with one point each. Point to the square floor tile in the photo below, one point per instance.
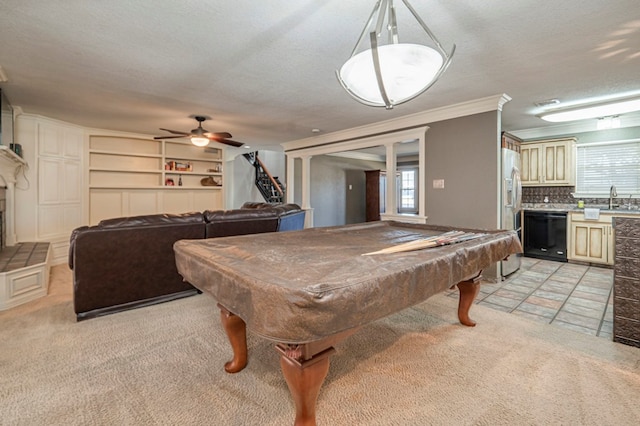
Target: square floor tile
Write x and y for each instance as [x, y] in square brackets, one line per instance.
[575, 327]
[502, 301]
[590, 295]
[557, 286]
[579, 320]
[531, 316]
[582, 311]
[537, 310]
[547, 303]
[552, 295]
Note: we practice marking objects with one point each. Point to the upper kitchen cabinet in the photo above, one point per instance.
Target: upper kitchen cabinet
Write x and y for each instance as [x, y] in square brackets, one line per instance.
[549, 163]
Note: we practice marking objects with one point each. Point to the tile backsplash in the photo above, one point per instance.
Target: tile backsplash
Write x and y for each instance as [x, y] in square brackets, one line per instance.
[562, 195]
[556, 194]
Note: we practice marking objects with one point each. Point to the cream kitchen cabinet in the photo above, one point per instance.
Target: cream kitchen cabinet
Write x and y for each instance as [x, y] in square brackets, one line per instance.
[549, 163]
[590, 240]
[593, 240]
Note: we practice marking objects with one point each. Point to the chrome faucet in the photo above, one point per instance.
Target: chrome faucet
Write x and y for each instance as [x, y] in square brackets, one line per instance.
[612, 193]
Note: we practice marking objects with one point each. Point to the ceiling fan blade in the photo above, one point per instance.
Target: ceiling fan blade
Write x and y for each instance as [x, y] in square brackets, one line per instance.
[223, 135]
[186, 135]
[175, 132]
[227, 142]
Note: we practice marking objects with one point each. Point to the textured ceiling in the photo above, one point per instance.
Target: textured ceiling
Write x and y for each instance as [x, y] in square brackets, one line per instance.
[265, 70]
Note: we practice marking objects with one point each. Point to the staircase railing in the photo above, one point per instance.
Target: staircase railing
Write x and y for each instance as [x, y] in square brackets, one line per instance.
[270, 187]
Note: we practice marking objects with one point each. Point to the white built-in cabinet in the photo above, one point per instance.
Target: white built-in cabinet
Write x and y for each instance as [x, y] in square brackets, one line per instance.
[549, 163]
[135, 176]
[59, 180]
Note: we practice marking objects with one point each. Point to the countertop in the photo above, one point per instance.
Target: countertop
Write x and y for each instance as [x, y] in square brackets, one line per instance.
[604, 209]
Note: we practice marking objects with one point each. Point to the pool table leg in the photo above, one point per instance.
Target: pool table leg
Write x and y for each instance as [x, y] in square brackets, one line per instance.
[237, 333]
[468, 291]
[305, 367]
[304, 378]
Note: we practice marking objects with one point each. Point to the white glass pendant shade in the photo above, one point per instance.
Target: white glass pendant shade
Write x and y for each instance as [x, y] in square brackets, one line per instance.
[390, 72]
[200, 141]
[406, 70]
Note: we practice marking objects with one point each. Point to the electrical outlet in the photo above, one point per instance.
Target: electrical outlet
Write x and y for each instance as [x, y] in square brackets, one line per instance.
[438, 183]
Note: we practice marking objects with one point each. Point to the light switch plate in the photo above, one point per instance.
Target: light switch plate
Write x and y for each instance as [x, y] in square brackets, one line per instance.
[438, 183]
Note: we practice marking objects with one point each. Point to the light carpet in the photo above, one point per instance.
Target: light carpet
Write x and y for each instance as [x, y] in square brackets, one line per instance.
[162, 365]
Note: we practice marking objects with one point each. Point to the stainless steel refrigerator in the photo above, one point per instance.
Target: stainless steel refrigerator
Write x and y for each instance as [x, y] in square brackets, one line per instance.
[511, 201]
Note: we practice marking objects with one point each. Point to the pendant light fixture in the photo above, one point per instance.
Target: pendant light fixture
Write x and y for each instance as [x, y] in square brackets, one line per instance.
[390, 74]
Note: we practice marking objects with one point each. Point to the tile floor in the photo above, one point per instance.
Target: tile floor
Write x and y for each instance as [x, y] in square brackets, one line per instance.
[568, 295]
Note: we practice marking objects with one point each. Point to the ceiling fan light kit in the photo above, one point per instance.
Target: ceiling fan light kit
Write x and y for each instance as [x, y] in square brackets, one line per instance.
[394, 73]
[200, 141]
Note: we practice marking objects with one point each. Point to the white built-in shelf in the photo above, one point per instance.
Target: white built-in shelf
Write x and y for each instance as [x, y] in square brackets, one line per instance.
[177, 172]
[114, 170]
[163, 187]
[124, 154]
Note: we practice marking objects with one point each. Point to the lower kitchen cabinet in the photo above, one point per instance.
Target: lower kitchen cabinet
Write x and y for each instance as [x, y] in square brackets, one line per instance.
[590, 240]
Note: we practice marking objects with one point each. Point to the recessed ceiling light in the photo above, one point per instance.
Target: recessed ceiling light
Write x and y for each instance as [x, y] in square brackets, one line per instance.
[547, 102]
[315, 130]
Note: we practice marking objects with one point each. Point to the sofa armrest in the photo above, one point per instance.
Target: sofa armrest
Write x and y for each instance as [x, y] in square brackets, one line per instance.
[72, 243]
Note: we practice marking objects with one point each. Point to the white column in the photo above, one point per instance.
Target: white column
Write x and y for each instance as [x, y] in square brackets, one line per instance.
[306, 190]
[392, 197]
[422, 174]
[291, 167]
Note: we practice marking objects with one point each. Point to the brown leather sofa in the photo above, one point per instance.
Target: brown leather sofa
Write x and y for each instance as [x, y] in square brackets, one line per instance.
[126, 263]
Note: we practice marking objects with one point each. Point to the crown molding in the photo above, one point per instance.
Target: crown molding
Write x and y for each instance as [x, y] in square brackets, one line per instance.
[477, 106]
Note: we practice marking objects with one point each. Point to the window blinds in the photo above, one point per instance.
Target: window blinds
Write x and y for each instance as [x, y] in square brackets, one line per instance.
[603, 164]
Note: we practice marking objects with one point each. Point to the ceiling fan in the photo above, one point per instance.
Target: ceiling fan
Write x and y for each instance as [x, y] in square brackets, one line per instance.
[200, 136]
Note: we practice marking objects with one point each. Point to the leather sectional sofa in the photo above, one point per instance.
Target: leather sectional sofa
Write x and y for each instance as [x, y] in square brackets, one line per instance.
[126, 263]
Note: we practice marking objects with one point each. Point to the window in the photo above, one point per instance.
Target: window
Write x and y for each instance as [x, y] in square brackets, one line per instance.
[408, 190]
[603, 164]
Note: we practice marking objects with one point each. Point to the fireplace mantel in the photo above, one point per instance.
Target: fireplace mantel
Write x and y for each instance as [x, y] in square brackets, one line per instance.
[9, 162]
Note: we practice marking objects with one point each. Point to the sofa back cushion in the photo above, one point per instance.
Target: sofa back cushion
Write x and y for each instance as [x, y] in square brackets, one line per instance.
[225, 223]
[256, 205]
[165, 219]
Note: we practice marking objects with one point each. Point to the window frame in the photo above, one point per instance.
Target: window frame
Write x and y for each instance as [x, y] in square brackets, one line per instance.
[416, 189]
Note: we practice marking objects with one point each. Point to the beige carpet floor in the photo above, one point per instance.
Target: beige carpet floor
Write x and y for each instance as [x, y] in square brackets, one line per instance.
[162, 365]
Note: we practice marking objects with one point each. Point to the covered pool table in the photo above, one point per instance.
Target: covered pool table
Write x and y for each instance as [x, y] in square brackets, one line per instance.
[308, 290]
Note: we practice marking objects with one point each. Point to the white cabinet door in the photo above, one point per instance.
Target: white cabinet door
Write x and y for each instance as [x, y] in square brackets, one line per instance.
[50, 180]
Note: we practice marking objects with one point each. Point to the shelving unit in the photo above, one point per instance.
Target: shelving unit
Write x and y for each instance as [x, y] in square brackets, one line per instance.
[132, 176]
[201, 164]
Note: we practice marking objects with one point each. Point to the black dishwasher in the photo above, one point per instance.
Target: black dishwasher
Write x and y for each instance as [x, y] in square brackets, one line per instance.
[545, 235]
